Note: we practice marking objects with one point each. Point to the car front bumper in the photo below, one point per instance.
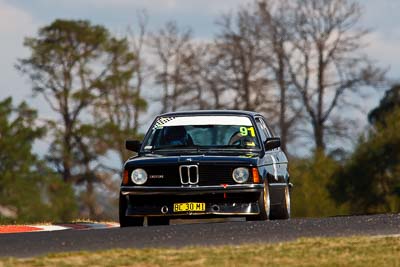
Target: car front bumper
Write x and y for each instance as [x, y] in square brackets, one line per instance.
[190, 190]
[159, 201]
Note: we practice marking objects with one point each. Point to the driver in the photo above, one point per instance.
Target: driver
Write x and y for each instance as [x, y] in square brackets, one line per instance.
[176, 135]
[240, 140]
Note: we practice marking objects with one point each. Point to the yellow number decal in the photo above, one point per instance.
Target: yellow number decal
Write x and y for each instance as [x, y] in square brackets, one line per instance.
[251, 130]
[243, 131]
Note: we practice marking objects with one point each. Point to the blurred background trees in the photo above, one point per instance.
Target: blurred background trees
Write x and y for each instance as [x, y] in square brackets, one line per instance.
[29, 190]
[300, 63]
[369, 181]
[84, 75]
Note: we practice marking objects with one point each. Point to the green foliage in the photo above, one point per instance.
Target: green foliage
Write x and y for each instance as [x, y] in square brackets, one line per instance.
[388, 104]
[85, 75]
[28, 189]
[310, 195]
[120, 103]
[369, 182]
[67, 65]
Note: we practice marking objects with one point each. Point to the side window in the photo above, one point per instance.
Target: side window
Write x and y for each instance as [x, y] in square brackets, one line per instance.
[263, 134]
[266, 128]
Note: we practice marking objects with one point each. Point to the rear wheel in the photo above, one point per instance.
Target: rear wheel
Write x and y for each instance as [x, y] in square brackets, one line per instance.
[126, 221]
[282, 212]
[265, 205]
[157, 221]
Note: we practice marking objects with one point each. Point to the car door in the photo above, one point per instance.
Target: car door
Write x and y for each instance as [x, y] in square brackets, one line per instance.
[277, 169]
[274, 158]
[268, 163]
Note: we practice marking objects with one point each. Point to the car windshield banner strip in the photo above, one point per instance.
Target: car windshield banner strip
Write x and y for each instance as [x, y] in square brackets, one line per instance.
[203, 120]
[162, 121]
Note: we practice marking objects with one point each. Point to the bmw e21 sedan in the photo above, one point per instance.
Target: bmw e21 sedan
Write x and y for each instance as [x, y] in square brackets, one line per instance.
[202, 164]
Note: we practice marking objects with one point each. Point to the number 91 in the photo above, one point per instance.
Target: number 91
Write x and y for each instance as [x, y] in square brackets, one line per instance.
[244, 131]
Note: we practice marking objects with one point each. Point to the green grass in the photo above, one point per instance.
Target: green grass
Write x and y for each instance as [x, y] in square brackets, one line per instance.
[352, 251]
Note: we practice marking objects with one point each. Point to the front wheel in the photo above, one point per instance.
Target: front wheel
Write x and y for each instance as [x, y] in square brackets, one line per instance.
[282, 212]
[265, 205]
[126, 221]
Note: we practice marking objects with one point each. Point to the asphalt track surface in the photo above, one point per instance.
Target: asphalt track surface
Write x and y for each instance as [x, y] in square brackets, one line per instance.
[200, 234]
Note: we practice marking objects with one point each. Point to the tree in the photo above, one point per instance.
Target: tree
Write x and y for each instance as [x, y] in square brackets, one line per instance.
[239, 62]
[61, 68]
[142, 69]
[328, 66]
[70, 65]
[205, 81]
[296, 62]
[116, 110]
[199, 78]
[172, 49]
[29, 190]
[275, 31]
[310, 194]
[254, 45]
[389, 103]
[369, 181]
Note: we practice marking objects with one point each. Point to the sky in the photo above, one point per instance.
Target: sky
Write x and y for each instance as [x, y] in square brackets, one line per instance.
[22, 18]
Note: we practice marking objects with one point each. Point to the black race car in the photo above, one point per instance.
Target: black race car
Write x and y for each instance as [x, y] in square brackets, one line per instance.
[202, 164]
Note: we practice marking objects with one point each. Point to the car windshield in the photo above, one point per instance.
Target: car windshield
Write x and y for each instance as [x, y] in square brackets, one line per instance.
[202, 132]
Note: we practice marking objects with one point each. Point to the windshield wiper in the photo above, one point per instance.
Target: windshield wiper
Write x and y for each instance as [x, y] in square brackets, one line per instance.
[204, 148]
[225, 146]
[175, 146]
[231, 147]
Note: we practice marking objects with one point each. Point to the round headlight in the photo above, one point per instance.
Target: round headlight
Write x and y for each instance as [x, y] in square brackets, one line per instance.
[240, 175]
[139, 176]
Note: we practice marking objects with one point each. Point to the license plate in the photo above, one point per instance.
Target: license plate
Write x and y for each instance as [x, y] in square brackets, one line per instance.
[189, 206]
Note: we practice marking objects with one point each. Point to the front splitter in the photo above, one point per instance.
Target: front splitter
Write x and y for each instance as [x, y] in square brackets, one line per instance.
[232, 209]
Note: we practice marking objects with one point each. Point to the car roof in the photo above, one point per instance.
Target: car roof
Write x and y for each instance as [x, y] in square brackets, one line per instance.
[212, 112]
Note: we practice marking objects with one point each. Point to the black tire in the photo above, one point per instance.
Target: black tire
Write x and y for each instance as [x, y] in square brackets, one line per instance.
[264, 204]
[157, 221]
[126, 221]
[282, 212]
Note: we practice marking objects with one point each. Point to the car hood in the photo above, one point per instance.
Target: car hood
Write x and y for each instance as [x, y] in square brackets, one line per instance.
[152, 159]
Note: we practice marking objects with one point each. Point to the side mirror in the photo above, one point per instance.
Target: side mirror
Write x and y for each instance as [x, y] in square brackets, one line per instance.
[133, 145]
[272, 143]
